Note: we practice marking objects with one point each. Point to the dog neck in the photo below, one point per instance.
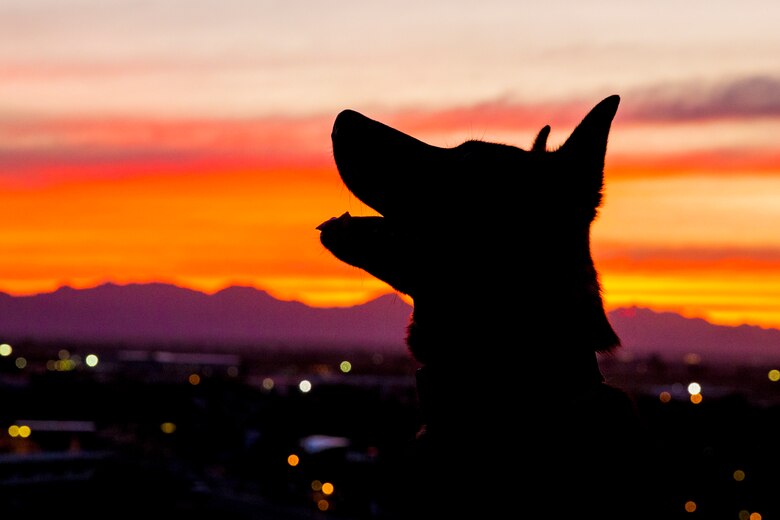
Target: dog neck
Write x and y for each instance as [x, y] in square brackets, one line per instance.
[563, 334]
[457, 402]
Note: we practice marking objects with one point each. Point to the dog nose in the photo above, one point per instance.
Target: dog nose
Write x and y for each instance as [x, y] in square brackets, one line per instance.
[346, 119]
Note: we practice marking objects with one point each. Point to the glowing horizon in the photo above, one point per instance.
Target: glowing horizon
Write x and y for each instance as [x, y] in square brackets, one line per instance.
[197, 151]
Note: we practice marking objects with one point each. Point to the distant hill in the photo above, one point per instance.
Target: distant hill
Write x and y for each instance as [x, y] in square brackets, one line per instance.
[644, 332]
[143, 314]
[161, 314]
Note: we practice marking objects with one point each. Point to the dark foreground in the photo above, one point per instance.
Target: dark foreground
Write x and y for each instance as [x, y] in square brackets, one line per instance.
[152, 433]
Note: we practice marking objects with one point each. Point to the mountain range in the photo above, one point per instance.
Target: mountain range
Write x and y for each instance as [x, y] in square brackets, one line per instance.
[163, 314]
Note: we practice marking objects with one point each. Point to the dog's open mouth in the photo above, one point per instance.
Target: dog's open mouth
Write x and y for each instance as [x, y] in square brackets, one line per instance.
[378, 164]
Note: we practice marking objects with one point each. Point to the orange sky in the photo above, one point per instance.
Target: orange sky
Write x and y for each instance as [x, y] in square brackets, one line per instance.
[190, 144]
[208, 203]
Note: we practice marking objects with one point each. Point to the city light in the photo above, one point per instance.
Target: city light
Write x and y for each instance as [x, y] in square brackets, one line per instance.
[694, 389]
[665, 387]
[19, 430]
[60, 365]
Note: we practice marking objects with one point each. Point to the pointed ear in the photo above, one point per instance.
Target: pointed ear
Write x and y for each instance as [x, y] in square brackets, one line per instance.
[540, 143]
[587, 144]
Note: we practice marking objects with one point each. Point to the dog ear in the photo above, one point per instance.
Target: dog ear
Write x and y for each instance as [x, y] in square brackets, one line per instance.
[588, 142]
[540, 143]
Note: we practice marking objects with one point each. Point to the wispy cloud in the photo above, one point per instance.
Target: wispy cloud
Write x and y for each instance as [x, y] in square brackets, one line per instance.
[746, 97]
[715, 161]
[83, 146]
[637, 259]
[692, 101]
[30, 144]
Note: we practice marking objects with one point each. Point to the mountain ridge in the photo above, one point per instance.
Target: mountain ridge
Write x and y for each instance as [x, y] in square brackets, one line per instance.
[160, 313]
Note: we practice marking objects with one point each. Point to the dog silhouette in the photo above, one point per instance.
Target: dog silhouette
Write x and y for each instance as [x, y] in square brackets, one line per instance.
[492, 244]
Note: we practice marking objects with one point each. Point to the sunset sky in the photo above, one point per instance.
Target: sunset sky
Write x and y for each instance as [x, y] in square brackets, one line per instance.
[188, 141]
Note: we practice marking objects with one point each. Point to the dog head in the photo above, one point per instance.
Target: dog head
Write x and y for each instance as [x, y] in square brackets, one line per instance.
[480, 220]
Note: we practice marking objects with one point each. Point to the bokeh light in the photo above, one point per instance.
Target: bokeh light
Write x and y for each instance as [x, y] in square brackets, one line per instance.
[696, 398]
[16, 430]
[304, 386]
[5, 349]
[323, 505]
[316, 485]
[739, 475]
[268, 383]
[327, 488]
[690, 506]
[293, 459]
[754, 516]
[20, 362]
[694, 388]
[91, 360]
[345, 366]
[60, 365]
[194, 379]
[168, 427]
[665, 397]
[774, 375]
